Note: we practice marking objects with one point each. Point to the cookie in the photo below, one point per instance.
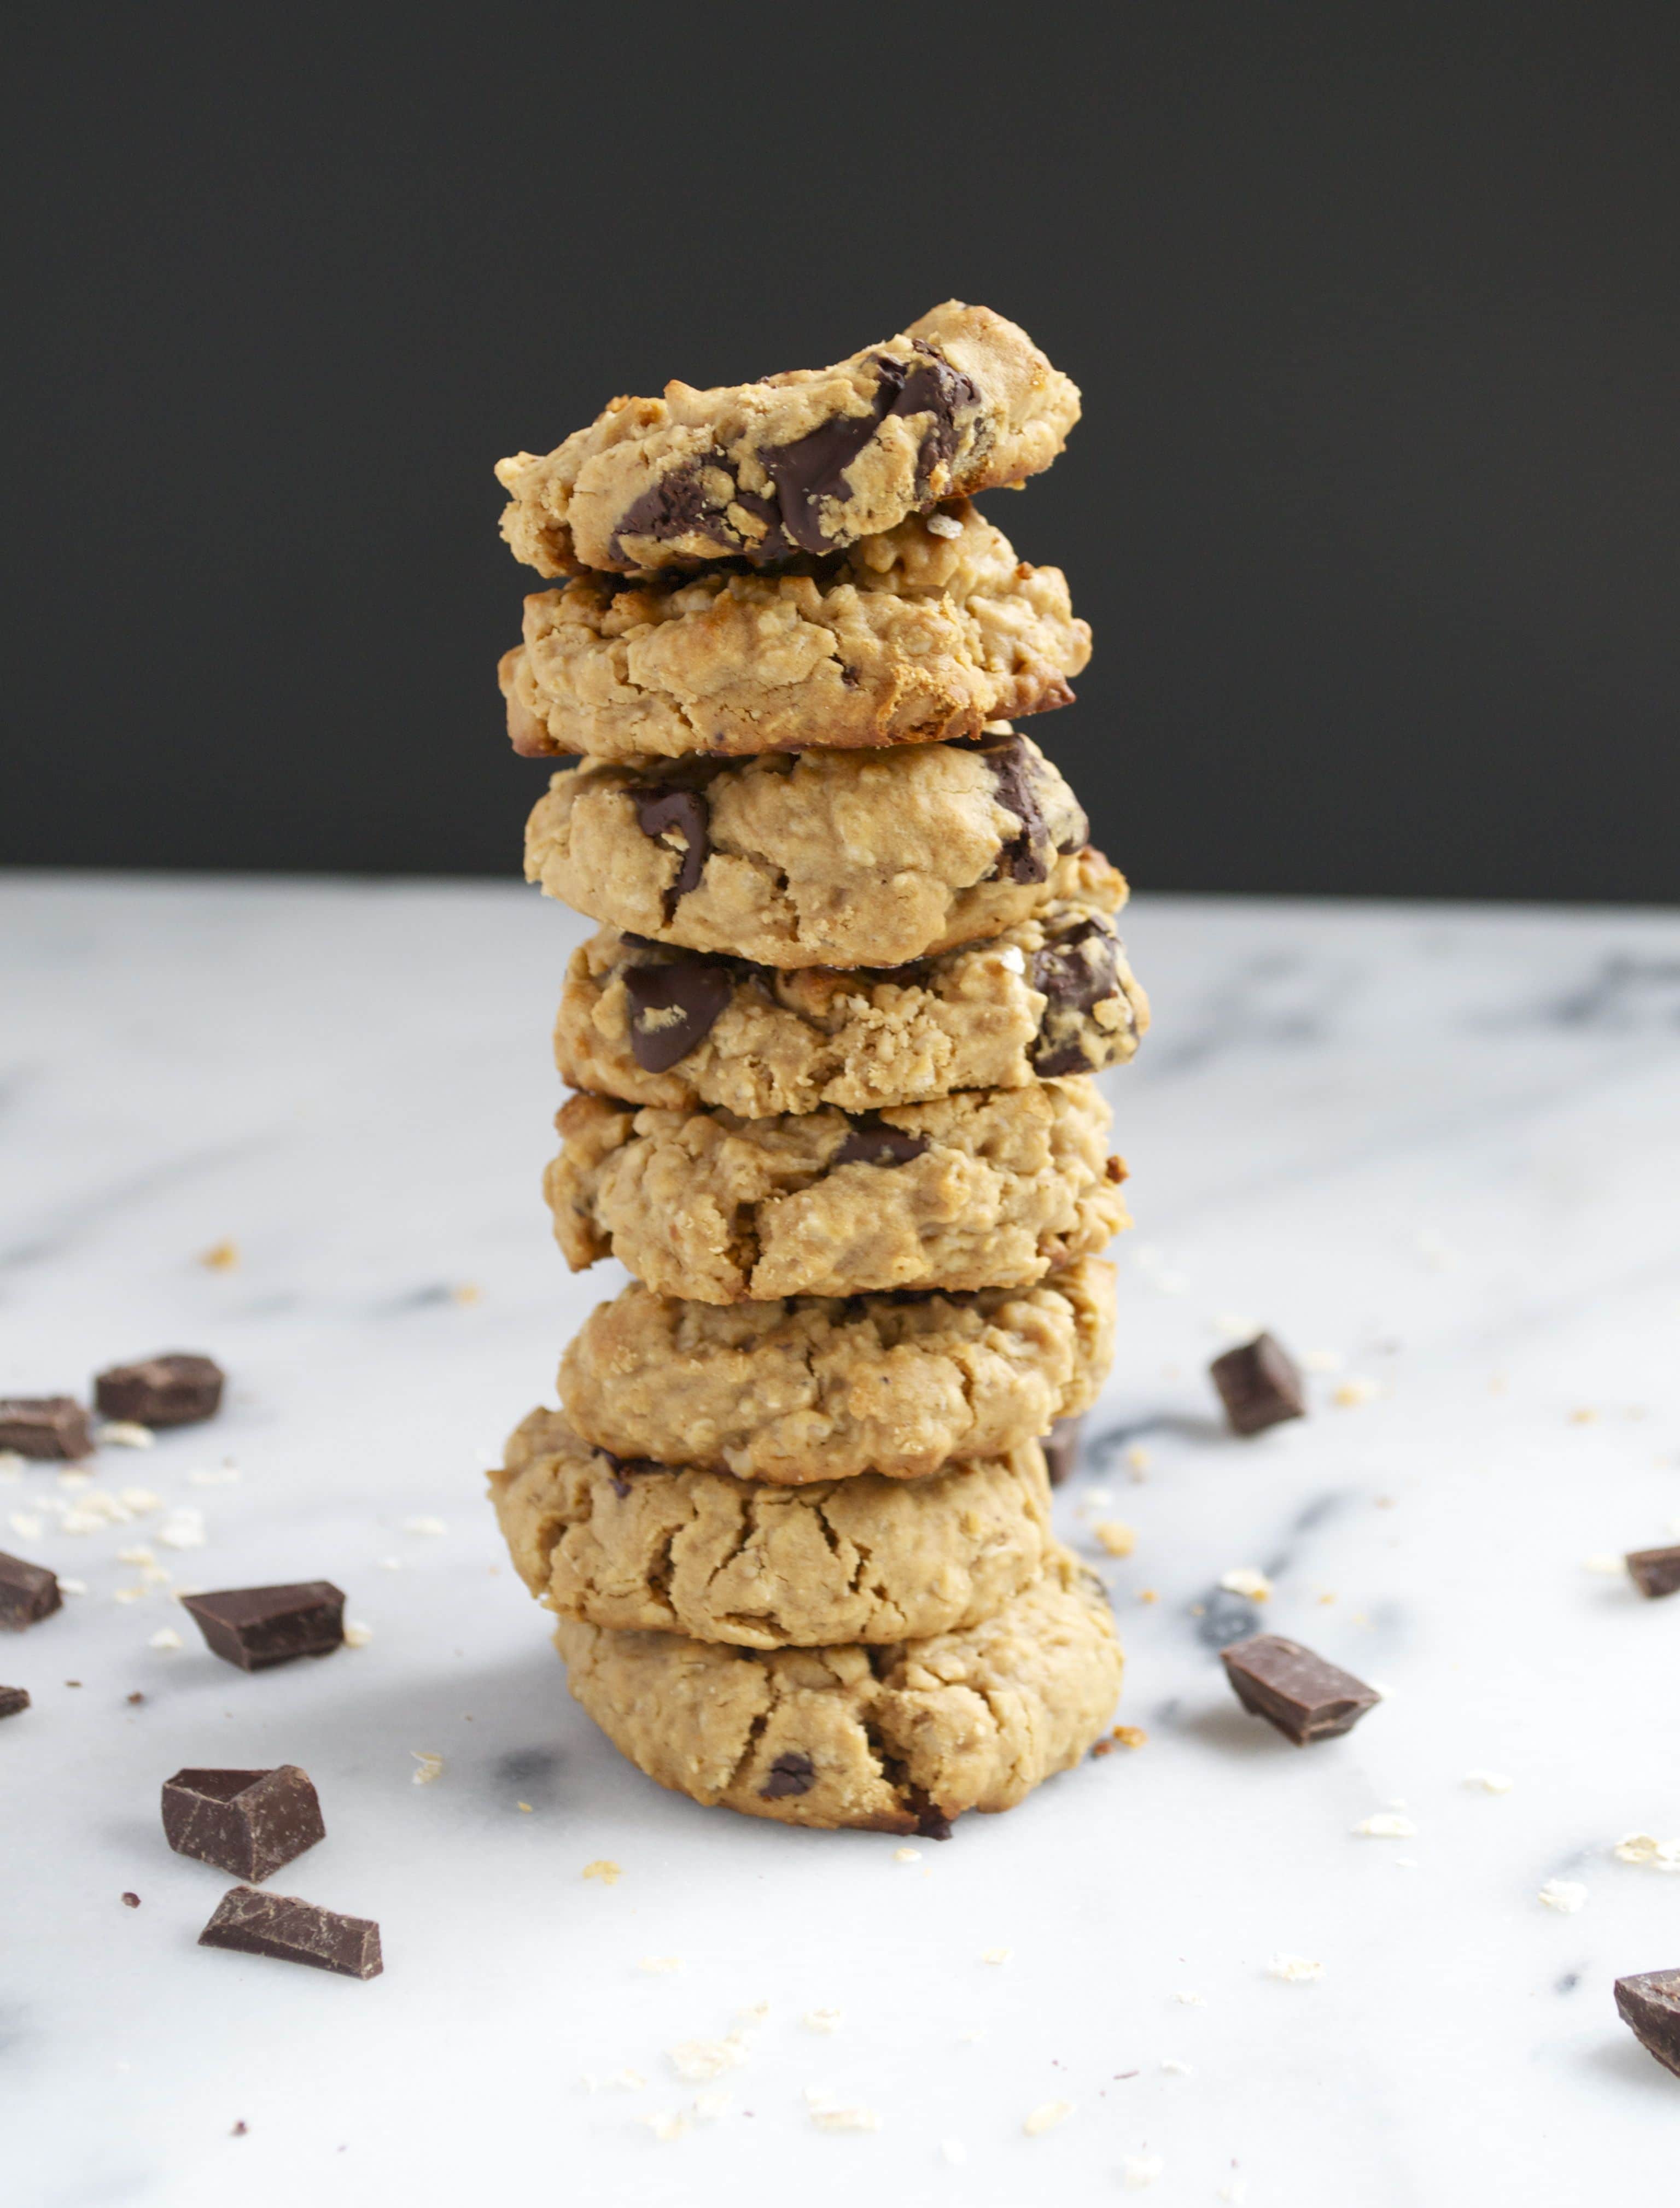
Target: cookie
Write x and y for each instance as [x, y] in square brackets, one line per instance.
[823, 858]
[899, 1739]
[991, 1188]
[808, 461]
[654, 1025]
[639, 1546]
[823, 1389]
[916, 636]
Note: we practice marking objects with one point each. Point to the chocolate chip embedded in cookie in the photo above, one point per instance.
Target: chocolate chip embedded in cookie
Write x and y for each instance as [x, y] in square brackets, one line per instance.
[807, 461]
[661, 1549]
[991, 1188]
[823, 858]
[922, 635]
[655, 1024]
[898, 1739]
[814, 1389]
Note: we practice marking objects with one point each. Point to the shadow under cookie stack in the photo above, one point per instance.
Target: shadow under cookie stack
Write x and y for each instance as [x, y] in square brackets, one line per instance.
[833, 1043]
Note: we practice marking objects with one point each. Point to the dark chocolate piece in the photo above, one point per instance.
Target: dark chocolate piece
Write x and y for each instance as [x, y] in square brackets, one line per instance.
[675, 506]
[130, 1901]
[293, 1931]
[1026, 856]
[1259, 1384]
[249, 1823]
[176, 1389]
[1649, 2006]
[1061, 1450]
[256, 1628]
[625, 1468]
[674, 1008]
[1075, 971]
[872, 1145]
[29, 1593]
[1654, 1571]
[1304, 1697]
[13, 1701]
[792, 1772]
[45, 1426]
[665, 804]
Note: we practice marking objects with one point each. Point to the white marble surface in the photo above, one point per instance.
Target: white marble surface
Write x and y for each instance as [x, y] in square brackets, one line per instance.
[1439, 1146]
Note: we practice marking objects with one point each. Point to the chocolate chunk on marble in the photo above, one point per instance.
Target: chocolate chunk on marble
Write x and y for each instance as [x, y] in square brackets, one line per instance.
[13, 1701]
[29, 1593]
[1649, 2006]
[45, 1426]
[252, 1923]
[1061, 1450]
[175, 1389]
[1259, 1384]
[1298, 1693]
[1654, 1572]
[672, 1008]
[249, 1823]
[256, 1628]
[792, 1772]
[871, 1145]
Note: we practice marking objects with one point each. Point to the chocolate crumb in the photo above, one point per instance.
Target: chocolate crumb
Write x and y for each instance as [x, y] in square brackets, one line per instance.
[137, 1696]
[1654, 1572]
[792, 1772]
[1259, 1384]
[13, 1701]
[1303, 1697]
[130, 1901]
[240, 2130]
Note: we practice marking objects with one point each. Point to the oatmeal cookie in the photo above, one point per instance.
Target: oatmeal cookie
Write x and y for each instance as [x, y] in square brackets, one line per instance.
[808, 461]
[899, 1739]
[916, 636]
[639, 1546]
[824, 1388]
[991, 1188]
[826, 858]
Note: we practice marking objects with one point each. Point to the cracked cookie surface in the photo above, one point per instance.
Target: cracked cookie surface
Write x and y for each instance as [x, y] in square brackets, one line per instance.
[829, 1388]
[919, 636]
[639, 1546]
[820, 858]
[898, 1739]
[990, 1188]
[806, 461]
[653, 1024]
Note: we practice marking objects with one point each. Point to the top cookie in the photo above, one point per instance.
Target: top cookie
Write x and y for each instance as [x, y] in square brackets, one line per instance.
[808, 461]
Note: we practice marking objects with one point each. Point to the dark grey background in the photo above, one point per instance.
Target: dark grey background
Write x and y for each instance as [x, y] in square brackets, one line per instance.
[1374, 508]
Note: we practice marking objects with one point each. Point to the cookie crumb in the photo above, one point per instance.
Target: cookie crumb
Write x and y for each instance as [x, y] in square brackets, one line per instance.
[166, 1638]
[1294, 1970]
[1566, 1895]
[1046, 2116]
[1142, 2169]
[466, 1292]
[1174, 2068]
[1385, 1825]
[605, 1870]
[1653, 1854]
[822, 2020]
[907, 1855]
[220, 1256]
[356, 1635]
[997, 1954]
[669, 2125]
[123, 1433]
[1352, 1393]
[1113, 1534]
[698, 2060]
[659, 1966]
[943, 524]
[1244, 1580]
[1490, 1782]
[1192, 2001]
[429, 1766]
[433, 1526]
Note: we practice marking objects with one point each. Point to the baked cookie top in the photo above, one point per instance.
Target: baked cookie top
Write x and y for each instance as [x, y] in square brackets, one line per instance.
[639, 1546]
[655, 1025]
[816, 858]
[990, 1188]
[924, 633]
[807, 461]
[812, 1388]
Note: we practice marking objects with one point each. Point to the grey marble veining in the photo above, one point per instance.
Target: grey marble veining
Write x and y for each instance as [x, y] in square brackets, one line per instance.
[1437, 1151]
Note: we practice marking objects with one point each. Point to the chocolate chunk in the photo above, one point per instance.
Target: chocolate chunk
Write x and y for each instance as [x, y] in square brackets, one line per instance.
[256, 1628]
[1061, 1450]
[29, 1593]
[930, 1821]
[676, 506]
[1260, 1385]
[874, 1145]
[674, 1008]
[1075, 971]
[1654, 1571]
[130, 1901]
[245, 1822]
[1304, 1697]
[175, 1389]
[45, 1426]
[13, 1701]
[792, 1772]
[662, 806]
[293, 1931]
[1650, 2007]
[625, 1468]
[1025, 856]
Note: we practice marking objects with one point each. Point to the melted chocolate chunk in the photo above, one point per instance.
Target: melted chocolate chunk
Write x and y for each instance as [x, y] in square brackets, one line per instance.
[1075, 972]
[676, 506]
[792, 1772]
[872, 1145]
[1026, 856]
[1650, 2007]
[174, 1389]
[29, 1593]
[626, 1468]
[1259, 1384]
[930, 1821]
[256, 1628]
[1298, 1693]
[674, 1008]
[13, 1701]
[45, 1426]
[663, 805]
[292, 1931]
[249, 1823]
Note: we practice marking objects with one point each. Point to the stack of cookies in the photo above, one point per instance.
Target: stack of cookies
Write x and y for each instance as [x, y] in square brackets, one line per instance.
[833, 1043]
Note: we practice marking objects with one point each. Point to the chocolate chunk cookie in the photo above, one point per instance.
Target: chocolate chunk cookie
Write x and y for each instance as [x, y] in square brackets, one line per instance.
[808, 461]
[992, 1188]
[656, 1025]
[824, 858]
[821, 1388]
[923, 634]
[899, 1739]
[639, 1546]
